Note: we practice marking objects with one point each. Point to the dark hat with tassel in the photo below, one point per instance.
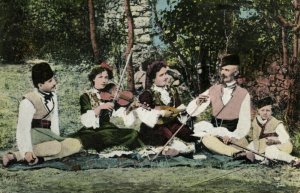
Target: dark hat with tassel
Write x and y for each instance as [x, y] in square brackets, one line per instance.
[264, 102]
[231, 59]
[41, 72]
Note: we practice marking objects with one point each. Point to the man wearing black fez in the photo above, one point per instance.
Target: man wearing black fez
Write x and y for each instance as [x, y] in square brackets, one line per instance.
[269, 136]
[38, 135]
[231, 116]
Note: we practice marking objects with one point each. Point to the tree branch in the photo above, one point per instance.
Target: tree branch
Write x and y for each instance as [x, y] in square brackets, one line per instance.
[284, 23]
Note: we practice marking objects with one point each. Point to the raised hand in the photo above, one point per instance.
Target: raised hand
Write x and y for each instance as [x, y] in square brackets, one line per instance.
[202, 98]
[110, 106]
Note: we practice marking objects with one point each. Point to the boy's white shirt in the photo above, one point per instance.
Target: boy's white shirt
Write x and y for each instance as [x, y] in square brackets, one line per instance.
[23, 133]
[283, 135]
[244, 123]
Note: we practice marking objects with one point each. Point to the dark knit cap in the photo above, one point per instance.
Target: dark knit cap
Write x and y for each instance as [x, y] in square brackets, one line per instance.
[41, 72]
[264, 102]
[230, 60]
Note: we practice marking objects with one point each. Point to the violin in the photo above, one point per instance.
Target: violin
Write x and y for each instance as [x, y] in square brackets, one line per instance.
[174, 110]
[146, 98]
[123, 98]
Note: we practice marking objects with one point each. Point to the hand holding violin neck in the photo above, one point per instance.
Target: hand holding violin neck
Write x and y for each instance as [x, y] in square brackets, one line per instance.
[172, 109]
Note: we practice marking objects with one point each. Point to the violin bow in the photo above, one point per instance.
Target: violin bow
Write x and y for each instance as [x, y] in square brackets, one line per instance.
[122, 75]
[182, 124]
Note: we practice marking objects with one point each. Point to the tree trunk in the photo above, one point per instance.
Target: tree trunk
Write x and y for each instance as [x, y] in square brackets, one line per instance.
[284, 47]
[96, 51]
[130, 36]
[292, 114]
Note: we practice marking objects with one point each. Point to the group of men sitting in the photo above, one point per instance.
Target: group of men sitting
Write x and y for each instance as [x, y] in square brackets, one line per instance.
[162, 115]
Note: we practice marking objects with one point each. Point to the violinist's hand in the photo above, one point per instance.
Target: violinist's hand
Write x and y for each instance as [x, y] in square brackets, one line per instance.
[226, 139]
[270, 141]
[202, 98]
[110, 106]
[133, 105]
[168, 113]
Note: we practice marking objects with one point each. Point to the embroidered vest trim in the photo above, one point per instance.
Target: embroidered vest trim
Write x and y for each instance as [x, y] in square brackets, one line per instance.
[42, 112]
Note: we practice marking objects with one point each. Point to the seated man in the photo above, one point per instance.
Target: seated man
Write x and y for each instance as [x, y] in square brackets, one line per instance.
[160, 121]
[38, 123]
[269, 136]
[231, 116]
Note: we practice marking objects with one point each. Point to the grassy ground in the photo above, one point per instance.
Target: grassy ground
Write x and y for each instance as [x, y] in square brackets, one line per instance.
[179, 179]
[15, 81]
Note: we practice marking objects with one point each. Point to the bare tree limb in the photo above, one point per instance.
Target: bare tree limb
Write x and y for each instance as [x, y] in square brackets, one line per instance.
[130, 39]
[96, 51]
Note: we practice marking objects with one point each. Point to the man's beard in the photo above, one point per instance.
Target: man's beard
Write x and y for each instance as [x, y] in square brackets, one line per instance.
[223, 77]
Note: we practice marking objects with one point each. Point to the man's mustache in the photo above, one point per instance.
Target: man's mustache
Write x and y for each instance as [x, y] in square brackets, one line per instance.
[222, 77]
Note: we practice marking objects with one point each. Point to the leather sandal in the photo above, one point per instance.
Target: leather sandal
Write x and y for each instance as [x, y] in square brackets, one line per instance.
[295, 163]
[8, 160]
[241, 155]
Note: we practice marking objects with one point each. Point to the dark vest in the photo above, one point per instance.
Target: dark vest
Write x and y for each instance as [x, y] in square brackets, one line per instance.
[104, 116]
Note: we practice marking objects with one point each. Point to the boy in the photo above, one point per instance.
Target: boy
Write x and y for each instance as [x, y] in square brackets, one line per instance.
[269, 136]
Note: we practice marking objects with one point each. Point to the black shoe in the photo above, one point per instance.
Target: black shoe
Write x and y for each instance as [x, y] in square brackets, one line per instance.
[241, 155]
[244, 155]
[37, 160]
[187, 155]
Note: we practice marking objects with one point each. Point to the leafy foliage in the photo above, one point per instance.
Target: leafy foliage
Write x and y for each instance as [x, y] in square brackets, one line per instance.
[203, 30]
[13, 42]
[54, 30]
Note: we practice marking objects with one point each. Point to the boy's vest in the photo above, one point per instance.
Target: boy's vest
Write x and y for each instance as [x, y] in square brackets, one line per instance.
[261, 132]
[268, 130]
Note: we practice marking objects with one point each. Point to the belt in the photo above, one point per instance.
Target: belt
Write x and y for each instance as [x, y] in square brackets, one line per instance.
[40, 123]
[264, 135]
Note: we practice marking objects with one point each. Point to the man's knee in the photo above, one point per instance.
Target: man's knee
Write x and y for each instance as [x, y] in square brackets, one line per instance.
[208, 139]
[271, 151]
[71, 144]
[48, 148]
